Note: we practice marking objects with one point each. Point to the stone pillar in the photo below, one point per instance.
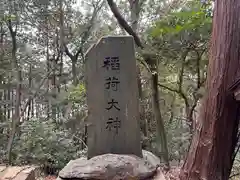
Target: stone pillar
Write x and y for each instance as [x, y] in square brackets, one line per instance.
[112, 97]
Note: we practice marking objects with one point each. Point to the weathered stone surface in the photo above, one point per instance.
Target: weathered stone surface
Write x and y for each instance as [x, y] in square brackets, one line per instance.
[108, 167]
[2, 168]
[152, 159]
[11, 172]
[58, 178]
[112, 97]
[17, 173]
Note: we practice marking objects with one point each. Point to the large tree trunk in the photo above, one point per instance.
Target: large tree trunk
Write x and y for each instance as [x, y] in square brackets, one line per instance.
[213, 144]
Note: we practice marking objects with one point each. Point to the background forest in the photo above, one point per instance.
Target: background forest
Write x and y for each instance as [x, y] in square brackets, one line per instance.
[43, 111]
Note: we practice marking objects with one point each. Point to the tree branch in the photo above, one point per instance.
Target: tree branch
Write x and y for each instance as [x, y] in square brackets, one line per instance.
[126, 27]
[124, 23]
[181, 94]
[180, 76]
[198, 71]
[199, 56]
[34, 95]
[141, 2]
[168, 88]
[67, 51]
[84, 34]
[237, 174]
[237, 149]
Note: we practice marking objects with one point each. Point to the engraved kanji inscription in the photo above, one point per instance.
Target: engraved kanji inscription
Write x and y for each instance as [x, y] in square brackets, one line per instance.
[111, 63]
[113, 123]
[112, 83]
[113, 104]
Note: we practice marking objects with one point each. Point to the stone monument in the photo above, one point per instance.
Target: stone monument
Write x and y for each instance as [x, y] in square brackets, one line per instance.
[112, 97]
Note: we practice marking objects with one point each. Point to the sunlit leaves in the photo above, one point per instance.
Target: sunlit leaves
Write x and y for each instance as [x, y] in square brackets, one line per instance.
[6, 18]
[181, 21]
[77, 93]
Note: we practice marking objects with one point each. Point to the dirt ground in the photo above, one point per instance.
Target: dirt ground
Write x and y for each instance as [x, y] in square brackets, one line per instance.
[173, 174]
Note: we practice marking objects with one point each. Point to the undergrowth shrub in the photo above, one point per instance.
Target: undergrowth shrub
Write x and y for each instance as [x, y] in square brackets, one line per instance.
[45, 144]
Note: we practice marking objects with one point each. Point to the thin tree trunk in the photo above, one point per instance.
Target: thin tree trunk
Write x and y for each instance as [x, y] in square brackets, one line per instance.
[2, 117]
[16, 115]
[143, 118]
[54, 91]
[172, 110]
[5, 99]
[48, 63]
[10, 100]
[30, 87]
[211, 153]
[49, 80]
[74, 71]
[161, 134]
[33, 108]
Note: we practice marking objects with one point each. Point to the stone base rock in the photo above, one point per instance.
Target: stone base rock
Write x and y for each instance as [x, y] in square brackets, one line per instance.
[110, 167]
[17, 172]
[152, 159]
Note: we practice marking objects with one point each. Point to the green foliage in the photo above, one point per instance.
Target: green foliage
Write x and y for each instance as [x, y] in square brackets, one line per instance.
[41, 142]
[180, 22]
[77, 93]
[180, 42]
[178, 139]
[186, 23]
[168, 35]
[6, 18]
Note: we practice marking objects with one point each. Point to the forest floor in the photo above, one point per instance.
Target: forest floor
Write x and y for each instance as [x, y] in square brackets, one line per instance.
[170, 175]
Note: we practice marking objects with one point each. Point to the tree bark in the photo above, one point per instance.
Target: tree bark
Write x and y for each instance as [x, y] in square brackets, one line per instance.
[210, 156]
[161, 137]
[17, 104]
[143, 118]
[30, 110]
[74, 70]
[2, 117]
